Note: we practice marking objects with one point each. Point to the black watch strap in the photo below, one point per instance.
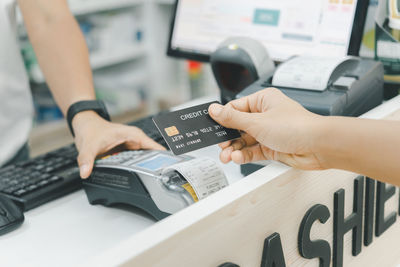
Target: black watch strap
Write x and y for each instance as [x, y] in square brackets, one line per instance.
[95, 105]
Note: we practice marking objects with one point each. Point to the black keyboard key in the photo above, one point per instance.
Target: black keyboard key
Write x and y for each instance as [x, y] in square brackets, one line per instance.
[23, 179]
[55, 179]
[39, 167]
[45, 176]
[43, 183]
[9, 189]
[35, 174]
[20, 192]
[49, 169]
[6, 180]
[31, 187]
[69, 162]
[13, 182]
[24, 184]
[25, 164]
[58, 167]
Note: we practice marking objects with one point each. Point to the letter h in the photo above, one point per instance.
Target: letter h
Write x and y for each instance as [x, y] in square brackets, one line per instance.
[353, 222]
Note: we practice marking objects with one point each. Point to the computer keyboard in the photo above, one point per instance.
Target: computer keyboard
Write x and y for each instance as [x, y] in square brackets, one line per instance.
[52, 175]
[41, 179]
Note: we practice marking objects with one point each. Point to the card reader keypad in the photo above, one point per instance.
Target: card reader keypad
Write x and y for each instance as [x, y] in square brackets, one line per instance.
[124, 158]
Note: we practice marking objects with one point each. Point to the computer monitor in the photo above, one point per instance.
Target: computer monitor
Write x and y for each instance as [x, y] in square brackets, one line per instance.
[286, 27]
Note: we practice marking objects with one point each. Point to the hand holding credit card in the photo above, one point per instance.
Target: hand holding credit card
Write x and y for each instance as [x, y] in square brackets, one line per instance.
[191, 129]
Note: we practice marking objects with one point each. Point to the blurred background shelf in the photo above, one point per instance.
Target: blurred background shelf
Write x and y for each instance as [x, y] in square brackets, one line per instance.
[103, 60]
[120, 55]
[166, 2]
[83, 7]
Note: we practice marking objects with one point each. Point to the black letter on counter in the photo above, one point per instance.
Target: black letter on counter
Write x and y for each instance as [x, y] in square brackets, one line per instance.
[272, 252]
[382, 195]
[353, 221]
[399, 204]
[228, 264]
[369, 211]
[319, 248]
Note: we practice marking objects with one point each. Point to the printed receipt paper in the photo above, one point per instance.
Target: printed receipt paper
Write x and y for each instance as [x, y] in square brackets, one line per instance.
[203, 174]
[306, 73]
[191, 129]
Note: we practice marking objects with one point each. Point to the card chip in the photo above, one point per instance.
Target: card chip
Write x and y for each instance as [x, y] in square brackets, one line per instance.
[171, 131]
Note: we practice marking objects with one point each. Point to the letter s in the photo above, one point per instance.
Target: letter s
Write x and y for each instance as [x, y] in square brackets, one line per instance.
[319, 248]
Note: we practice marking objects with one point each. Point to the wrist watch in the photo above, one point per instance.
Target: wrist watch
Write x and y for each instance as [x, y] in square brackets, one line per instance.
[94, 105]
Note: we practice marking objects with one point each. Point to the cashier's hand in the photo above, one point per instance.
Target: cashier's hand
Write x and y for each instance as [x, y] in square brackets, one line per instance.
[273, 126]
[95, 136]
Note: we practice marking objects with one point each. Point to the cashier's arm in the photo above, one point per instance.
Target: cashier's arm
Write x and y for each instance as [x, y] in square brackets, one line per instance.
[63, 57]
[278, 128]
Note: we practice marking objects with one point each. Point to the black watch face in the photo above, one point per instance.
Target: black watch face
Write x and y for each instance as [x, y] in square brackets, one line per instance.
[94, 105]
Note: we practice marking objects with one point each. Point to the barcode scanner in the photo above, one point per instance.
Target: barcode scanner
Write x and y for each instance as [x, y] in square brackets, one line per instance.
[237, 63]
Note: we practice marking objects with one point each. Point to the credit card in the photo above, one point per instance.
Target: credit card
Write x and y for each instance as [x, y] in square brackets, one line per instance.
[192, 128]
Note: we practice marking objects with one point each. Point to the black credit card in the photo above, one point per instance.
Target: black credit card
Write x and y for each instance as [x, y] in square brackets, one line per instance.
[191, 129]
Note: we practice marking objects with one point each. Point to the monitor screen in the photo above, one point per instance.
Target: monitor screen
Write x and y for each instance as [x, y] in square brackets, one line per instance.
[286, 27]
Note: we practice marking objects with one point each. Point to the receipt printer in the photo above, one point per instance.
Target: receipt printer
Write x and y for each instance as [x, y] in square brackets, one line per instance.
[346, 87]
[139, 179]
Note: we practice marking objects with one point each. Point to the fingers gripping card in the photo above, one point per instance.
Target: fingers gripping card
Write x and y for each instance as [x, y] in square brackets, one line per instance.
[191, 129]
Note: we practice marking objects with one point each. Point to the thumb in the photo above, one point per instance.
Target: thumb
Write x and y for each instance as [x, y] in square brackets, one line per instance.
[85, 160]
[229, 117]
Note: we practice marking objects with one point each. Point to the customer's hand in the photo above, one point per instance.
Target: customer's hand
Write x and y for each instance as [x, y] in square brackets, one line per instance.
[273, 126]
[95, 136]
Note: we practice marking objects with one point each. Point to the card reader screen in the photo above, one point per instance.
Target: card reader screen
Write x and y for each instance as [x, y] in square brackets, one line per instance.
[157, 162]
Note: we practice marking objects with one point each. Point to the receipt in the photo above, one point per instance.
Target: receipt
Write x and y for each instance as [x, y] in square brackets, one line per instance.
[203, 174]
[307, 73]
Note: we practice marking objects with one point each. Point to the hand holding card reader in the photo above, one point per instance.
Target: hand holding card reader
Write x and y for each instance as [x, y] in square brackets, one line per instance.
[156, 182]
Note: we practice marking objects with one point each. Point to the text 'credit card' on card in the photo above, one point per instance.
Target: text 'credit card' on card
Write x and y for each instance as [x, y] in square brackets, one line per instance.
[191, 129]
